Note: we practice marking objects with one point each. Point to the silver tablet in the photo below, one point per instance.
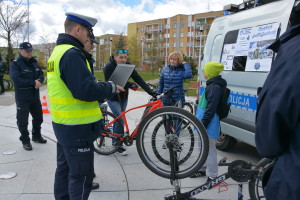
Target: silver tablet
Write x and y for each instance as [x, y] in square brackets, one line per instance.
[121, 74]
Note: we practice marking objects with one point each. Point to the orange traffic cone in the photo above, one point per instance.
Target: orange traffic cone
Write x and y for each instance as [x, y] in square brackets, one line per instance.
[45, 106]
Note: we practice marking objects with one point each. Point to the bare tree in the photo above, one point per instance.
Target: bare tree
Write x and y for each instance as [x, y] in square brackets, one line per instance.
[21, 35]
[13, 16]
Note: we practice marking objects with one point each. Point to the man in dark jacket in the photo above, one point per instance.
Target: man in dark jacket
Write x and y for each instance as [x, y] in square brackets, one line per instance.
[28, 77]
[120, 57]
[278, 114]
[2, 70]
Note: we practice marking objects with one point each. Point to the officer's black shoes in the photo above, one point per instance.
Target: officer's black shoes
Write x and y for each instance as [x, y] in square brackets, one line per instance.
[95, 186]
[27, 146]
[39, 140]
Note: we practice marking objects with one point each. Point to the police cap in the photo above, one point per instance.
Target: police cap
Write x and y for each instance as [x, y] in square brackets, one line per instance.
[82, 19]
[26, 46]
[93, 39]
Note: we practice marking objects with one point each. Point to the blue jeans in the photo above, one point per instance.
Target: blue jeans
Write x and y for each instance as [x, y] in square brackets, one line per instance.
[115, 107]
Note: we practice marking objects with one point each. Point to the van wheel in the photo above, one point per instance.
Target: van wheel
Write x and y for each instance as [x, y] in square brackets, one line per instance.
[225, 142]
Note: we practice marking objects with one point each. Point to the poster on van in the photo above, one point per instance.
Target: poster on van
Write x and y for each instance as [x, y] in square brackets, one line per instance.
[249, 52]
[259, 58]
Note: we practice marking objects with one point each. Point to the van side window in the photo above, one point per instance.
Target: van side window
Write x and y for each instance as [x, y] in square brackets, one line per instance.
[239, 62]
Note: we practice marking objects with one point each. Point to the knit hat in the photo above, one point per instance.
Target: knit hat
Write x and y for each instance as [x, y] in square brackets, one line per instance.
[213, 69]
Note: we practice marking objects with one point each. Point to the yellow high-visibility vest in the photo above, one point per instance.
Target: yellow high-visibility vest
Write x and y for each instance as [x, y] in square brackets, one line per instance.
[64, 107]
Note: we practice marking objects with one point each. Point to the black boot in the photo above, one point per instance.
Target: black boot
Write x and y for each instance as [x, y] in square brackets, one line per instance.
[95, 186]
[39, 140]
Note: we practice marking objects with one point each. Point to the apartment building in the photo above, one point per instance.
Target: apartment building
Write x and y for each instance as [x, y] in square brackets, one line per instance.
[159, 37]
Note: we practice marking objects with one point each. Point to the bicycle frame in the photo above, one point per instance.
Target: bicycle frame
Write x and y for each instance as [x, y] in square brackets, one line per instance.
[154, 105]
[208, 185]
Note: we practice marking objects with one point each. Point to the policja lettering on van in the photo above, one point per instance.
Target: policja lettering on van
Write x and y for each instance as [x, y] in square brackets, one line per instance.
[240, 100]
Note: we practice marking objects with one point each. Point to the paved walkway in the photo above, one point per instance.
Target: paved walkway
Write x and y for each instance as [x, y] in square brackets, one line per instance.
[120, 178]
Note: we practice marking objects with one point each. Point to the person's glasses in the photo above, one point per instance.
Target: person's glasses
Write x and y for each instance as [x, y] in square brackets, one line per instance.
[122, 51]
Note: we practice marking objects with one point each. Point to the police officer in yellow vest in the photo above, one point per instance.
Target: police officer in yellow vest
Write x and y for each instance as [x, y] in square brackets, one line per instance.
[73, 94]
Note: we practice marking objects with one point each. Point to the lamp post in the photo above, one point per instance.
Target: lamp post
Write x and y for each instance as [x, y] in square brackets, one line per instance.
[142, 63]
[201, 29]
[28, 20]
[110, 40]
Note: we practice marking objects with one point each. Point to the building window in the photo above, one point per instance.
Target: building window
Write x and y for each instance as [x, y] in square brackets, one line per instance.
[182, 25]
[181, 34]
[175, 25]
[167, 26]
[181, 44]
[174, 35]
[174, 44]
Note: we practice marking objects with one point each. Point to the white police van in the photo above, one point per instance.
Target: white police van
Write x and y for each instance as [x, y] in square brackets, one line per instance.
[239, 41]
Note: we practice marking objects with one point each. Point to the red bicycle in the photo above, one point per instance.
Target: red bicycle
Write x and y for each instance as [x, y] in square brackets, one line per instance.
[161, 131]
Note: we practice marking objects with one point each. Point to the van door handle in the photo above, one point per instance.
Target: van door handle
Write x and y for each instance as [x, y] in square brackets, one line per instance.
[258, 90]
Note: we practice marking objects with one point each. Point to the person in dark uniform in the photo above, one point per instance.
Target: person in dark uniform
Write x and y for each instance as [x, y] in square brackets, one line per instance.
[120, 57]
[28, 78]
[88, 46]
[2, 70]
[278, 118]
[76, 116]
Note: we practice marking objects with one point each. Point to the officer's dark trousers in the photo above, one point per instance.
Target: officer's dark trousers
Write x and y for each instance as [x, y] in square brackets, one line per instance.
[33, 107]
[74, 172]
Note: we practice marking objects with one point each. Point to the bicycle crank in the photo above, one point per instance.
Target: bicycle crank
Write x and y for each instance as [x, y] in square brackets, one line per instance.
[128, 140]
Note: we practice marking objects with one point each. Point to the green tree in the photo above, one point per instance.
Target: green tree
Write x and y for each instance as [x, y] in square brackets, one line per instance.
[120, 43]
[135, 51]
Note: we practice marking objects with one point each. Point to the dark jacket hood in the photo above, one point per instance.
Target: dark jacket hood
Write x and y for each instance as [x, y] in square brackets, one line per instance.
[112, 60]
[217, 80]
[69, 39]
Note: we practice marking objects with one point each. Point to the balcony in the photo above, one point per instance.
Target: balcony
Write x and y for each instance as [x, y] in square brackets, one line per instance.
[151, 31]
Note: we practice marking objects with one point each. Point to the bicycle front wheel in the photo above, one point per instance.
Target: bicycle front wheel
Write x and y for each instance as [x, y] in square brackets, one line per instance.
[172, 128]
[105, 144]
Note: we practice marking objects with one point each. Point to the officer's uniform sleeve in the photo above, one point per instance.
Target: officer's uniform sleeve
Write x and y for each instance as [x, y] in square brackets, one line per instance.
[278, 110]
[15, 75]
[41, 75]
[80, 81]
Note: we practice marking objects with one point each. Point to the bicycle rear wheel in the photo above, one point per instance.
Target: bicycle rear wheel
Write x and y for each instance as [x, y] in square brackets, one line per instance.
[255, 184]
[175, 127]
[186, 138]
[104, 144]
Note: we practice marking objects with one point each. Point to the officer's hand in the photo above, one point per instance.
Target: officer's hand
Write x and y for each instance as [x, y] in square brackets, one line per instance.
[120, 89]
[37, 84]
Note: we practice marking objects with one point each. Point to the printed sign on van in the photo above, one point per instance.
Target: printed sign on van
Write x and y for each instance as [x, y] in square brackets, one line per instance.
[259, 58]
[249, 52]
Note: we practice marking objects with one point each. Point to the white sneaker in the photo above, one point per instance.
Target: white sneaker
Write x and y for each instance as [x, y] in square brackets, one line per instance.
[122, 151]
